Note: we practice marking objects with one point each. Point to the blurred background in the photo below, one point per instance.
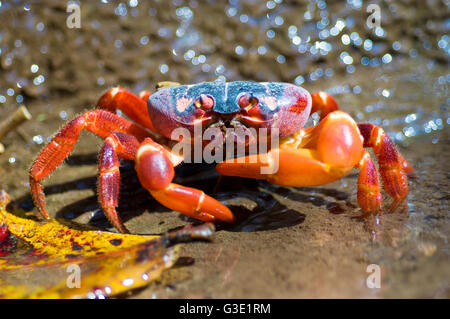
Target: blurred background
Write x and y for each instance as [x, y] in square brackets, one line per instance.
[287, 242]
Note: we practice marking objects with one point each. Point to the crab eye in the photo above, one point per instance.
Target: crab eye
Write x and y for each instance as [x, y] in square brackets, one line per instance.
[247, 102]
[204, 102]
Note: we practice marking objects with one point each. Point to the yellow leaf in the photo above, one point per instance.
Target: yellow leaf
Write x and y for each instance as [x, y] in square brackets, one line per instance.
[51, 260]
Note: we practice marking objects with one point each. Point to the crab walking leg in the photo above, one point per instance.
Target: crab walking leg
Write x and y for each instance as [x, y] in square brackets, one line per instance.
[133, 106]
[115, 146]
[154, 167]
[144, 95]
[99, 122]
[324, 103]
[393, 167]
[369, 195]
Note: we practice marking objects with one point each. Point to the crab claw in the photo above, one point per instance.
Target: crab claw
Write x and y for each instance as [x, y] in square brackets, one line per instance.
[320, 155]
[154, 165]
[193, 203]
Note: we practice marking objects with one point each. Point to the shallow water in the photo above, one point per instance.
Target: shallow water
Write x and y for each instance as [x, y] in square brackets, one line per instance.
[287, 242]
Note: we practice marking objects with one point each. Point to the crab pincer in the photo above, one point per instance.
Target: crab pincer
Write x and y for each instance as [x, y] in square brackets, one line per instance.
[154, 166]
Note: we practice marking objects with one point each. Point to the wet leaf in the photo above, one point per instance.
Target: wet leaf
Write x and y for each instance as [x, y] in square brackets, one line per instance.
[51, 260]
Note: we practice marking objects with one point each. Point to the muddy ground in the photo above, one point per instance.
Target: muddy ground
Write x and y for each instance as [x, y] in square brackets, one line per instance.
[287, 242]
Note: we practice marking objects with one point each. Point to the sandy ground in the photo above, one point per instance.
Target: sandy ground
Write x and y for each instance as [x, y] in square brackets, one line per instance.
[287, 242]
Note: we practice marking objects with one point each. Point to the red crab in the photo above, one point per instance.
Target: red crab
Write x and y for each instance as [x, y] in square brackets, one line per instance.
[308, 156]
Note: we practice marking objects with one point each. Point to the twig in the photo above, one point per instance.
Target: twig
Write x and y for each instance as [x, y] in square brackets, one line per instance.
[14, 120]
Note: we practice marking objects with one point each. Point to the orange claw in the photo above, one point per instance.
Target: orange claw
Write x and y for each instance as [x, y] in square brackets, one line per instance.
[154, 166]
[193, 203]
[286, 166]
[312, 157]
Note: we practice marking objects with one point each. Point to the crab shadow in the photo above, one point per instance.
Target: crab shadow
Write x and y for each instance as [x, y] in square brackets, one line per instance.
[251, 201]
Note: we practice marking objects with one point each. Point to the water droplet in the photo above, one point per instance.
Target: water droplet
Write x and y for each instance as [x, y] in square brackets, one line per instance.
[296, 40]
[379, 32]
[34, 68]
[409, 131]
[219, 69]
[163, 68]
[387, 58]
[121, 10]
[38, 139]
[128, 282]
[144, 40]
[279, 20]
[299, 80]
[357, 89]
[347, 59]
[38, 80]
[189, 55]
[345, 39]
[231, 12]
[281, 59]
[270, 5]
[243, 18]
[410, 118]
[292, 31]
[40, 27]
[201, 58]
[118, 44]
[44, 49]
[262, 50]
[368, 44]
[133, 3]
[350, 69]
[206, 68]
[307, 15]
[239, 50]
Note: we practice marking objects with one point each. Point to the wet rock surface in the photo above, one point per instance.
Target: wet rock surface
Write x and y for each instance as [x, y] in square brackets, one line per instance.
[287, 242]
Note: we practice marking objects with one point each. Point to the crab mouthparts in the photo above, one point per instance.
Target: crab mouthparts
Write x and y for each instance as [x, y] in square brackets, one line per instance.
[232, 131]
